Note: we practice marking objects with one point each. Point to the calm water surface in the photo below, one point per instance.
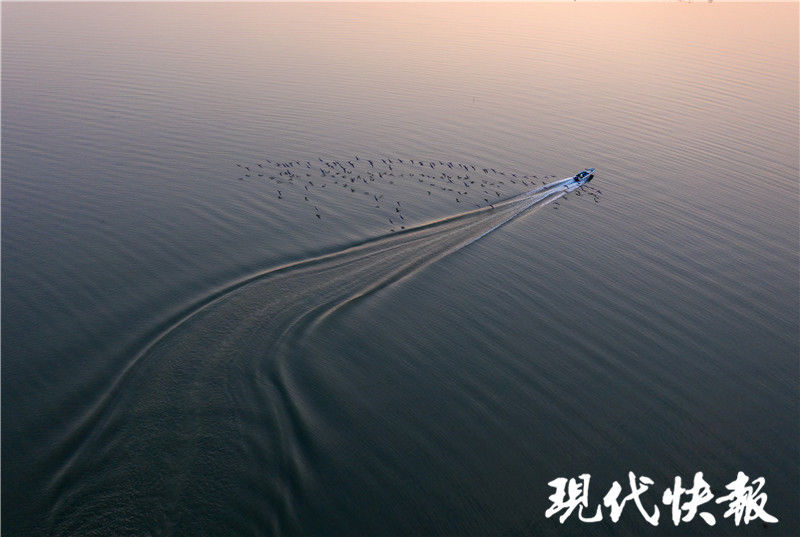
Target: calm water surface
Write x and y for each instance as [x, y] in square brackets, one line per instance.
[185, 352]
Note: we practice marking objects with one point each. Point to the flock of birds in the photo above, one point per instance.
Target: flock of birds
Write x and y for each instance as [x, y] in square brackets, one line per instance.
[469, 185]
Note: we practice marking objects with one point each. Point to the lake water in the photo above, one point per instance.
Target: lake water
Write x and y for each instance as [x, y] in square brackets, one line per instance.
[188, 351]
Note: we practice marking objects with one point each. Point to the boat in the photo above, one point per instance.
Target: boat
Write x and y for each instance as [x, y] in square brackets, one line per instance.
[585, 176]
[569, 184]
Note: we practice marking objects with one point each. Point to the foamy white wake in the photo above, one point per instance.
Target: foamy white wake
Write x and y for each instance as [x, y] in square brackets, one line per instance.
[211, 401]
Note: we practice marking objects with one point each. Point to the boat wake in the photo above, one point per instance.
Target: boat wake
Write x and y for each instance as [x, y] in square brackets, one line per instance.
[207, 426]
